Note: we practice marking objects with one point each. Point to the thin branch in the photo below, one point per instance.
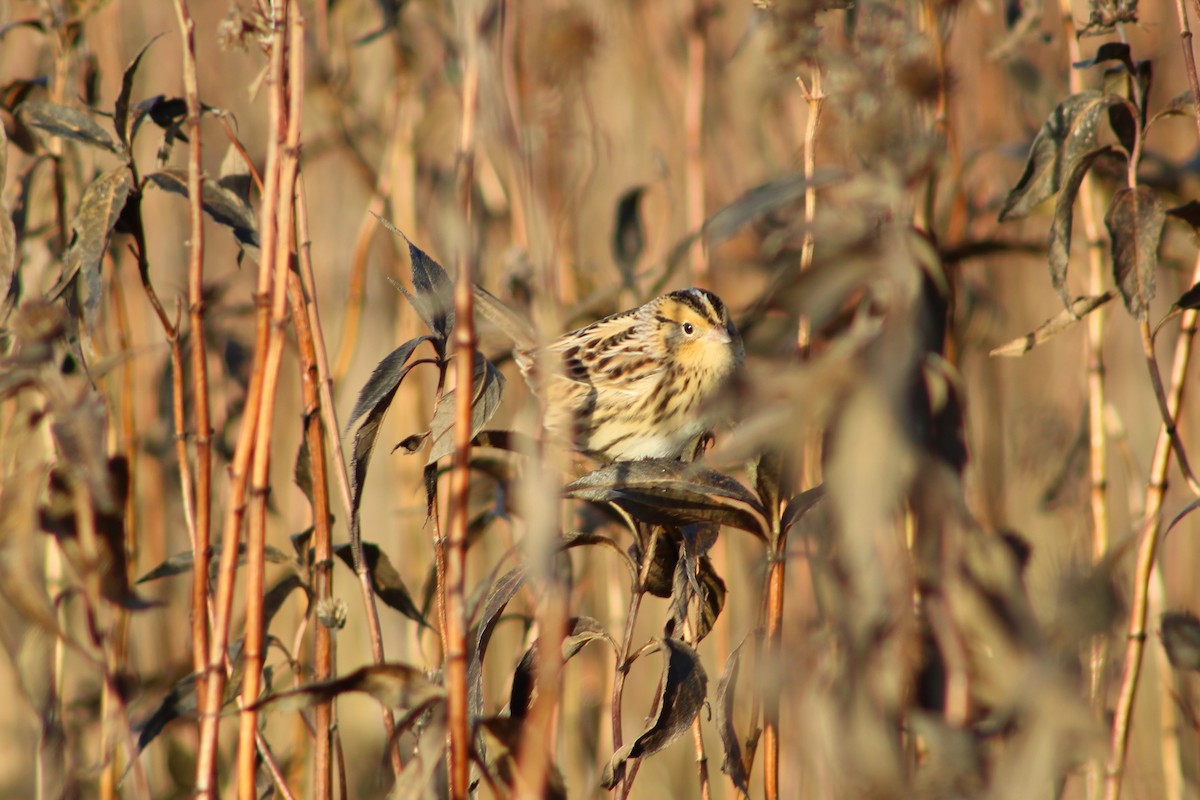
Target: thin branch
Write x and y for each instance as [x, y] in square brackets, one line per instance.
[1146, 560]
[287, 113]
[454, 586]
[202, 501]
[315, 435]
[206, 762]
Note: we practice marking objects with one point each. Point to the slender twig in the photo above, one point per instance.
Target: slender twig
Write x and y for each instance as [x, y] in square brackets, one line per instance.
[288, 105]
[454, 588]
[202, 500]
[206, 762]
[636, 591]
[330, 420]
[315, 433]
[1089, 211]
[1146, 560]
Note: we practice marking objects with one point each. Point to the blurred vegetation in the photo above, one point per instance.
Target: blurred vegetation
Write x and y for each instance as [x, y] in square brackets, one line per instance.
[943, 547]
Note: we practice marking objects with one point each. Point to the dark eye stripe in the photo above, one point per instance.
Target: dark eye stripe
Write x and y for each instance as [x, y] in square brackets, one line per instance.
[704, 303]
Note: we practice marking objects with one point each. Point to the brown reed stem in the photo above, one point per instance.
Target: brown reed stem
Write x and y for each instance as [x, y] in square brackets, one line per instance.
[206, 762]
[202, 499]
[1146, 560]
[453, 587]
[315, 433]
[288, 112]
[1089, 201]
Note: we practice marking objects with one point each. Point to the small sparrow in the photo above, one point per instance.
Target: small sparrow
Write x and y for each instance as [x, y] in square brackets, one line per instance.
[635, 384]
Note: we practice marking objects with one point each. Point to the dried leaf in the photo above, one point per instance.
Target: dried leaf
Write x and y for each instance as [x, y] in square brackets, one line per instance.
[1135, 223]
[385, 379]
[499, 595]
[488, 386]
[671, 492]
[799, 505]
[737, 751]
[393, 685]
[121, 107]
[1180, 632]
[385, 580]
[1080, 308]
[583, 630]
[374, 400]
[1064, 212]
[696, 577]
[67, 122]
[433, 292]
[1068, 133]
[681, 694]
[223, 205]
[766, 473]
[99, 209]
[181, 563]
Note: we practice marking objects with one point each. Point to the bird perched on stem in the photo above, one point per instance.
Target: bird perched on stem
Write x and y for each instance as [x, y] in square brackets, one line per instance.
[635, 384]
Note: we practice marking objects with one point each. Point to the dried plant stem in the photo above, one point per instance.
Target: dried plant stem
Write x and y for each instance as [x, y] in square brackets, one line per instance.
[206, 762]
[202, 499]
[1094, 359]
[315, 433]
[1146, 560]
[329, 417]
[636, 591]
[693, 127]
[453, 584]
[287, 111]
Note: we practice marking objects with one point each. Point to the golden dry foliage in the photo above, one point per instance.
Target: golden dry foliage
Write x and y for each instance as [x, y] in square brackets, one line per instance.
[258, 536]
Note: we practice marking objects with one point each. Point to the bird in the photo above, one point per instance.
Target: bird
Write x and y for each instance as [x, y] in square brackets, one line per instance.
[633, 385]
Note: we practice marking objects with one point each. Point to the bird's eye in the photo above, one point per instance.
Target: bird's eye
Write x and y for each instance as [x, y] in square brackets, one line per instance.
[689, 328]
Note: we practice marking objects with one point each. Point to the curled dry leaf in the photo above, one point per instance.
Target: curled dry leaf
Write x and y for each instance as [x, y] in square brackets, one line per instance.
[738, 751]
[393, 685]
[681, 694]
[671, 492]
[1068, 134]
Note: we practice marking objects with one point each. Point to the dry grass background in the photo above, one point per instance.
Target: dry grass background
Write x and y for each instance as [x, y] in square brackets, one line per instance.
[596, 94]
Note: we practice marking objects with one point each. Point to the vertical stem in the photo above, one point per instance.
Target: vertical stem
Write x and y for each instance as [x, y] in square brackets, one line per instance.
[206, 762]
[1094, 358]
[201, 544]
[315, 432]
[288, 98]
[1146, 561]
[454, 585]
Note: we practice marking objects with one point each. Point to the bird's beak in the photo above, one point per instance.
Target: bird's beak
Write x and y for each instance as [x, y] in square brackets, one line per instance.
[720, 335]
